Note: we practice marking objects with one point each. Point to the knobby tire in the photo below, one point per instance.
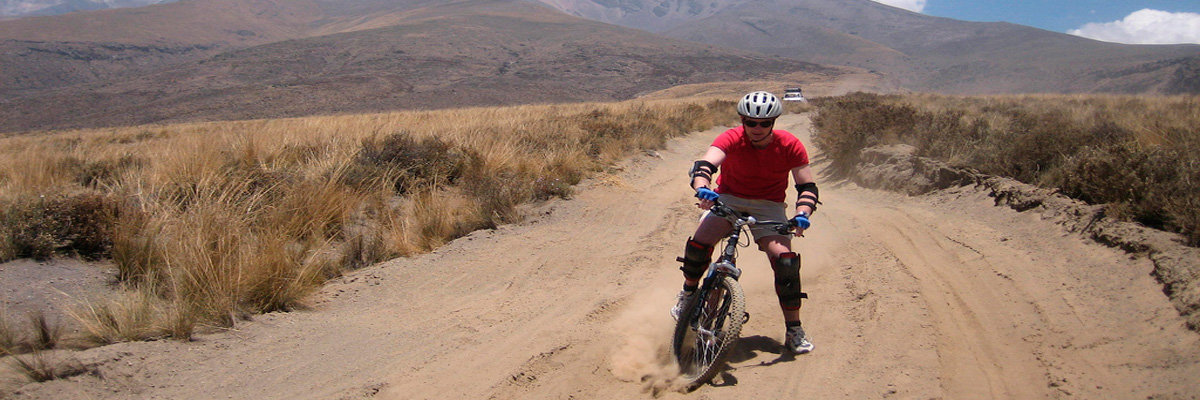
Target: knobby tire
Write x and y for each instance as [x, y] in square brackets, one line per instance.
[702, 341]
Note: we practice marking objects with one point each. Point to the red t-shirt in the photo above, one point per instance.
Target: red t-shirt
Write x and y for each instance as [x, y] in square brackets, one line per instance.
[753, 173]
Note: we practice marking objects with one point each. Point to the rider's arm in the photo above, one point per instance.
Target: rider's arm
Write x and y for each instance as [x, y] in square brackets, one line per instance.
[806, 199]
[714, 156]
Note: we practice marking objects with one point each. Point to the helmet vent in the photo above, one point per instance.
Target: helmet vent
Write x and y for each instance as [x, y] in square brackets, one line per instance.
[760, 105]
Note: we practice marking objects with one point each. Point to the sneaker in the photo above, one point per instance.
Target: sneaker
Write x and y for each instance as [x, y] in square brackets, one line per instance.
[681, 302]
[797, 341]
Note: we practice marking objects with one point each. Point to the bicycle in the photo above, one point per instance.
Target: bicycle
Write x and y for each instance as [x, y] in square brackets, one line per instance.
[709, 325]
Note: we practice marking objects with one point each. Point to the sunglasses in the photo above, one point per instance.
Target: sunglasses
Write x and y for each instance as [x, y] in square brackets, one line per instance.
[753, 124]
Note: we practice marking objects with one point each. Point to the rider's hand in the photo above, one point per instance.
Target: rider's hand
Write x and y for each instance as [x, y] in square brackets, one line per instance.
[706, 196]
[801, 221]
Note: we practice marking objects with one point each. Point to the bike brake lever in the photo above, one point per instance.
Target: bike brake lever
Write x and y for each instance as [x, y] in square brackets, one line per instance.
[787, 228]
[721, 210]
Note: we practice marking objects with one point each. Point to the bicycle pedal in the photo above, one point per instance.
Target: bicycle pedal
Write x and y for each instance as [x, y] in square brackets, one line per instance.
[745, 318]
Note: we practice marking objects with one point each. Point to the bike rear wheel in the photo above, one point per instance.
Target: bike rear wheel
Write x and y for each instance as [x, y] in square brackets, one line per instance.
[707, 330]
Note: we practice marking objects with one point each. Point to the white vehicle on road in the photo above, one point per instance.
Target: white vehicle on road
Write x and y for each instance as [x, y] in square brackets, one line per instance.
[793, 94]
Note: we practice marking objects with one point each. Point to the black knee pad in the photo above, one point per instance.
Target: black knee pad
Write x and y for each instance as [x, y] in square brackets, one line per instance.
[787, 280]
[696, 257]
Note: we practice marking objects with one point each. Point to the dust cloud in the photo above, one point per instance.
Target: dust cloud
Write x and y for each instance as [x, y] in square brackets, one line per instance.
[645, 328]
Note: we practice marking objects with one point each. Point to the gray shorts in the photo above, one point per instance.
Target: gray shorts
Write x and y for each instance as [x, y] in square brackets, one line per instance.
[768, 213]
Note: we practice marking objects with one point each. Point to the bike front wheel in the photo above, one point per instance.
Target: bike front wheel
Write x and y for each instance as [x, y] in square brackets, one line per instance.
[707, 330]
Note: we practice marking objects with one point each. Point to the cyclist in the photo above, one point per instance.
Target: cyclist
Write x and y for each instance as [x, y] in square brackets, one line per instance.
[757, 161]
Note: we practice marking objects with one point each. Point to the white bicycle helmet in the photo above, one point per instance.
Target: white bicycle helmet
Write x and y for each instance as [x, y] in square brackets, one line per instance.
[760, 105]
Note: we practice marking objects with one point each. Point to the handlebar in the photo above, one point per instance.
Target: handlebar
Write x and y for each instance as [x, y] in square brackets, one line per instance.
[721, 210]
[786, 228]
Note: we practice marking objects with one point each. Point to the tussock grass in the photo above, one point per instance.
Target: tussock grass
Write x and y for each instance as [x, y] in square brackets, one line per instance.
[132, 316]
[40, 367]
[46, 334]
[1138, 155]
[10, 337]
[28, 348]
[212, 221]
[38, 334]
[35, 367]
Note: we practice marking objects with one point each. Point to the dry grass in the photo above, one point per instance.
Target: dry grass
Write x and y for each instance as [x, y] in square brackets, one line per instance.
[27, 348]
[216, 220]
[39, 366]
[131, 316]
[39, 333]
[10, 336]
[1138, 155]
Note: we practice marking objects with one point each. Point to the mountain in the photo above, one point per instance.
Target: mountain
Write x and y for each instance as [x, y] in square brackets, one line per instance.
[40, 53]
[923, 52]
[25, 8]
[225, 59]
[321, 58]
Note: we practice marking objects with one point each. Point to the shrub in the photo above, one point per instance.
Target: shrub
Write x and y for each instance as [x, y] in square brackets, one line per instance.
[1138, 155]
[94, 173]
[847, 124]
[79, 224]
[408, 164]
[214, 221]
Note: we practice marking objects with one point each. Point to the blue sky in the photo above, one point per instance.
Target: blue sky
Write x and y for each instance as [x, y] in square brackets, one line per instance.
[1136, 21]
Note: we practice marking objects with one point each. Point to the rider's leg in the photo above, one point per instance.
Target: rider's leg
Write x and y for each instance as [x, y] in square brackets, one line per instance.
[786, 265]
[697, 253]
[696, 256]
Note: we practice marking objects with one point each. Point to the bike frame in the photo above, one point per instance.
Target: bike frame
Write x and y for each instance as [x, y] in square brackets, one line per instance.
[704, 333]
[727, 262]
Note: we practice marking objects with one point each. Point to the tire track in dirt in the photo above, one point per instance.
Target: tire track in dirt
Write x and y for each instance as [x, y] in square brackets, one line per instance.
[979, 356]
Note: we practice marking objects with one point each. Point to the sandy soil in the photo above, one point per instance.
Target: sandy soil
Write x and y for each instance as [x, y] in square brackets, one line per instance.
[935, 296]
[51, 286]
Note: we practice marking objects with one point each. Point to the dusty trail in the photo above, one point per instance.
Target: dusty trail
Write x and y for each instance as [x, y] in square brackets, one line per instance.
[942, 296]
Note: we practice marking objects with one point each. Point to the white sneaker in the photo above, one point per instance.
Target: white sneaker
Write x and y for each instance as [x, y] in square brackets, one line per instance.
[682, 301]
[797, 341]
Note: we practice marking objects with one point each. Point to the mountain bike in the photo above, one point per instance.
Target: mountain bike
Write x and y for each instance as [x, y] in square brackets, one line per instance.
[708, 327]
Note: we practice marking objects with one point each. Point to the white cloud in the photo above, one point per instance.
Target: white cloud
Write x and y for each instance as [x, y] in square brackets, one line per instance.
[1146, 26]
[910, 5]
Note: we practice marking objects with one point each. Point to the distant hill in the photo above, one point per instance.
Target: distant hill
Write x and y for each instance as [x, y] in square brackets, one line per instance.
[25, 8]
[39, 53]
[923, 52]
[480, 52]
[232, 59]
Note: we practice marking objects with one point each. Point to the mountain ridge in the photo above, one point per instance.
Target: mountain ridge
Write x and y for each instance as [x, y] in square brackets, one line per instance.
[223, 59]
[471, 53]
[926, 53]
[26, 8]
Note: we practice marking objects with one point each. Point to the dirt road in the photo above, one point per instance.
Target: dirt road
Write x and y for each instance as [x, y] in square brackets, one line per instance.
[941, 296]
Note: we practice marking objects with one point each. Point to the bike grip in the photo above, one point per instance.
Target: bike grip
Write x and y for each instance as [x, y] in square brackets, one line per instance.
[800, 221]
[706, 194]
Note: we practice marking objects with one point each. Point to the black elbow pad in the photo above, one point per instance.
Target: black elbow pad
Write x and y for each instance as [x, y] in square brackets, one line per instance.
[701, 168]
[807, 199]
[807, 187]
